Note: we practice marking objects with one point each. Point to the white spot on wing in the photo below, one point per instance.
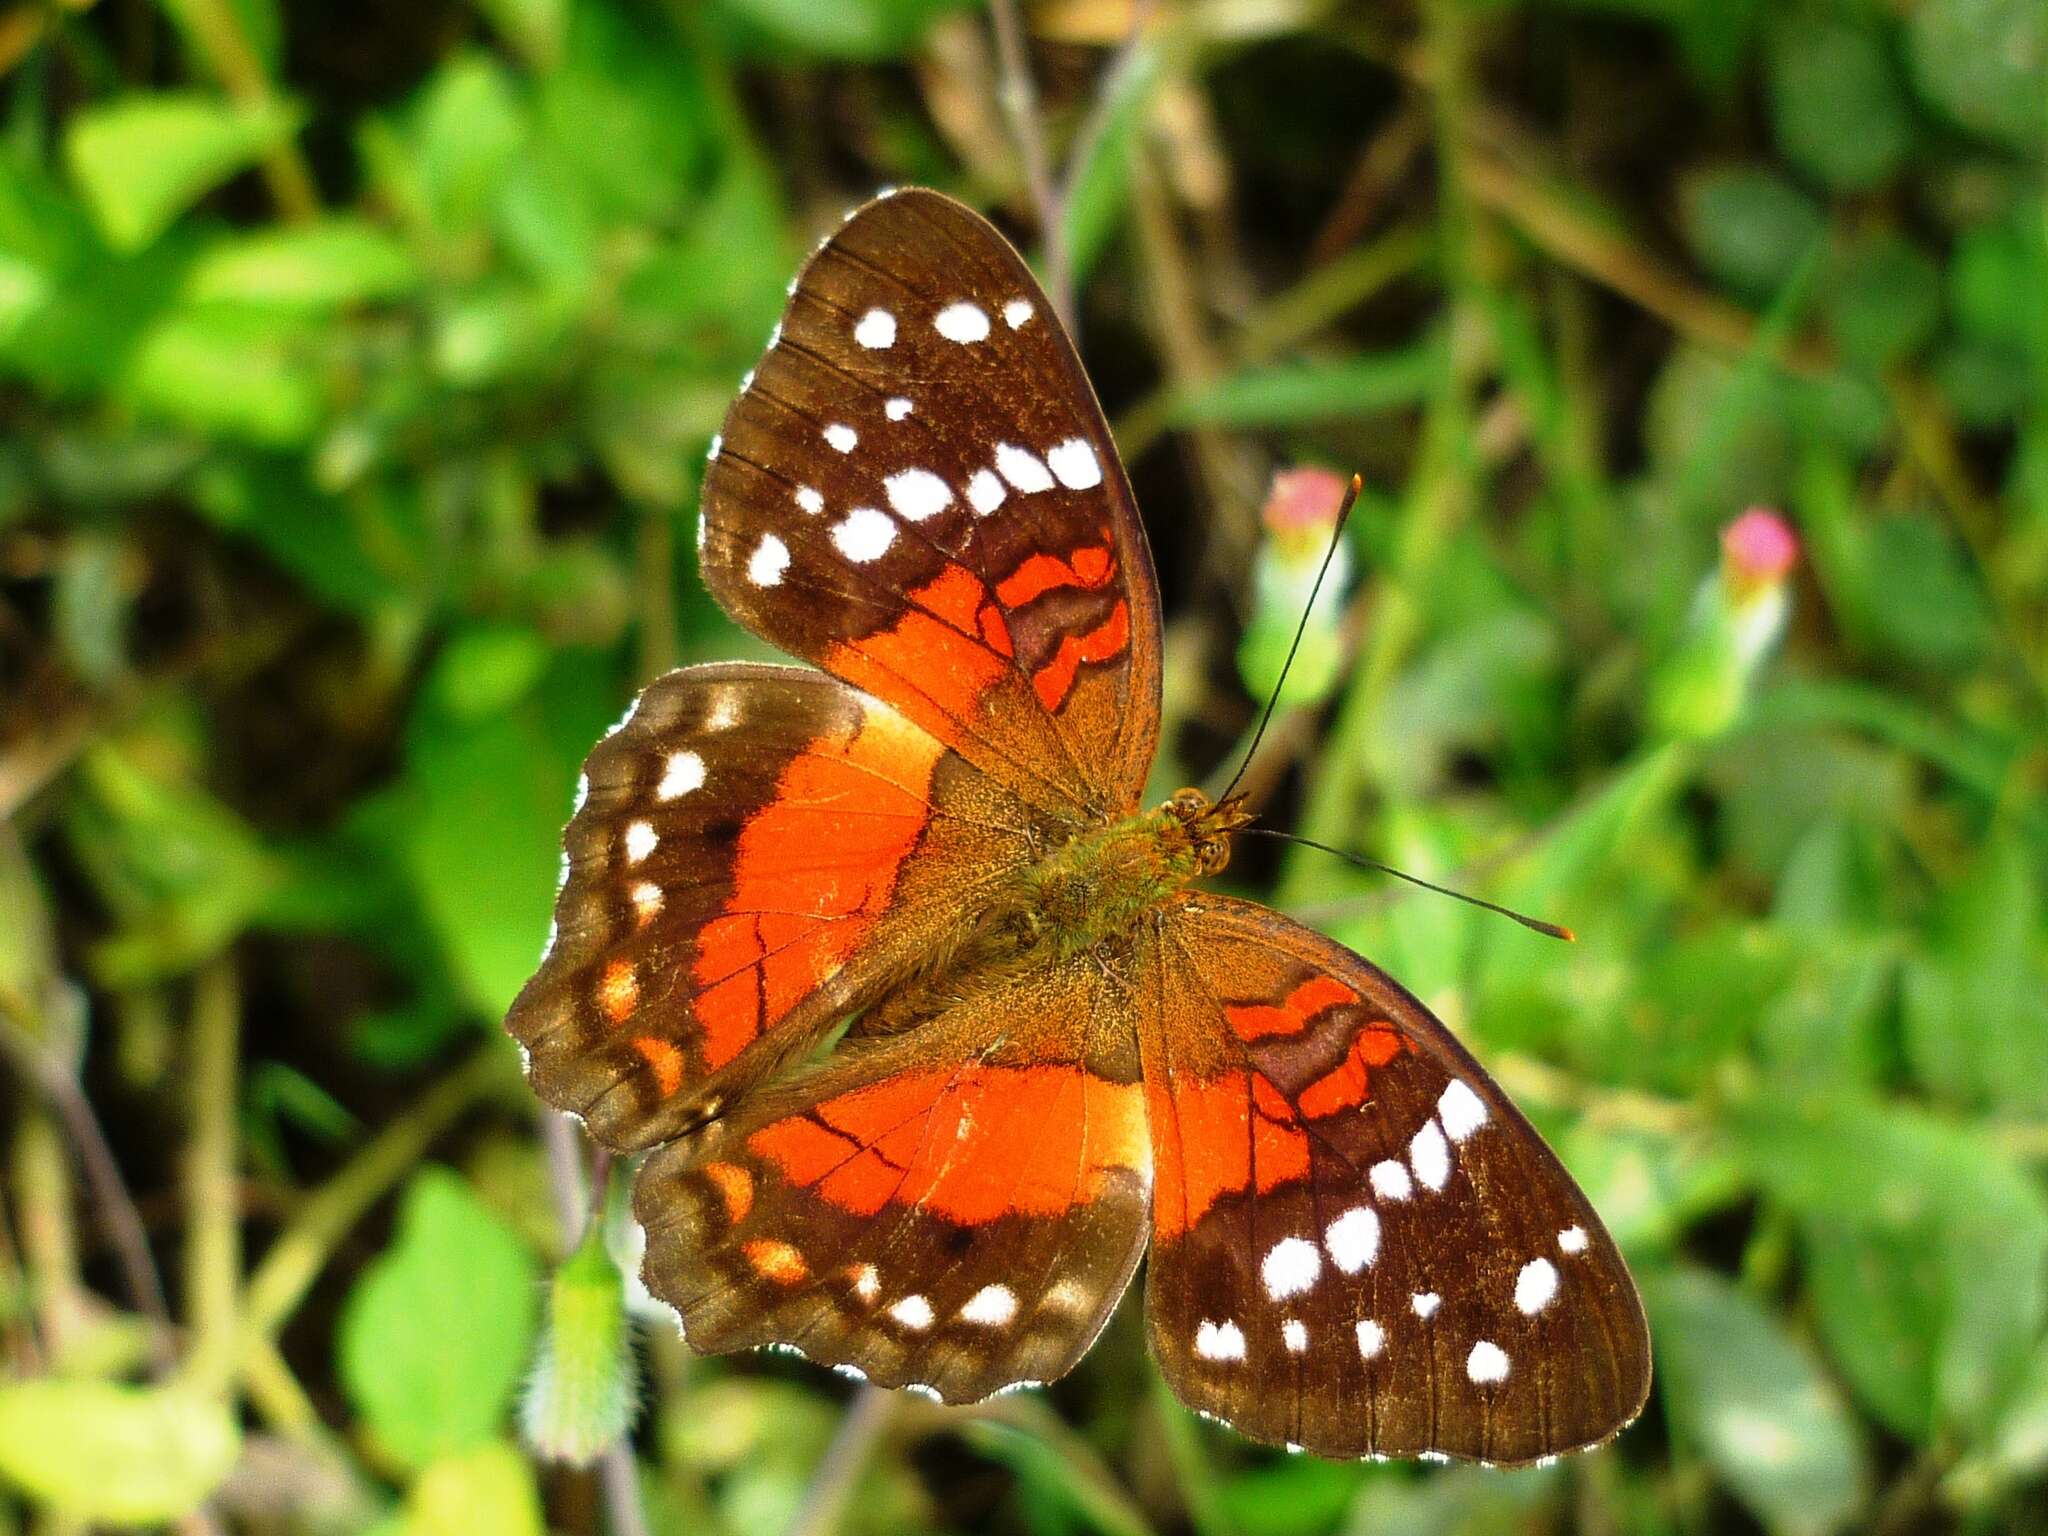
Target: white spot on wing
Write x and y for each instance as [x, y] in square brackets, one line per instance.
[769, 560]
[1488, 1362]
[994, 1305]
[842, 437]
[1219, 1341]
[917, 494]
[711, 453]
[1425, 1303]
[1295, 1333]
[1371, 1338]
[1354, 1238]
[913, 1311]
[876, 329]
[1535, 1285]
[1390, 1180]
[1461, 1110]
[985, 492]
[808, 498]
[1572, 1239]
[962, 322]
[1430, 1156]
[1022, 468]
[896, 407]
[1075, 463]
[864, 534]
[1290, 1267]
[640, 842]
[1017, 311]
[683, 773]
[646, 898]
[867, 1284]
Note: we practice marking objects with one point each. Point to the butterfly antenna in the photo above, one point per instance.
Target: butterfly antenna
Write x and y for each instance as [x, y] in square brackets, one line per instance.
[1273, 699]
[1549, 930]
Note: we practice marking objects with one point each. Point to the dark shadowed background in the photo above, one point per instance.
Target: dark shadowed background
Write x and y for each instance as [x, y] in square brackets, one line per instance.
[357, 364]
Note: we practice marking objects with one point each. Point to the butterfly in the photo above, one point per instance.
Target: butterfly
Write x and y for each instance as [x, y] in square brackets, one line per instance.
[1063, 1051]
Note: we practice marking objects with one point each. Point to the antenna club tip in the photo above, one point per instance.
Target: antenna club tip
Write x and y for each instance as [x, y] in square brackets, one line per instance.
[1566, 934]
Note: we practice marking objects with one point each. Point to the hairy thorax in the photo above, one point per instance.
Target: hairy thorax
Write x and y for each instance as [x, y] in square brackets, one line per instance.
[1084, 898]
[1096, 887]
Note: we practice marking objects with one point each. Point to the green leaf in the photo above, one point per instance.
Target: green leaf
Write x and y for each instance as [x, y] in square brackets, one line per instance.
[469, 125]
[101, 1451]
[1321, 391]
[435, 1334]
[1976, 999]
[1878, 1299]
[1754, 1403]
[1883, 300]
[485, 843]
[247, 374]
[1982, 62]
[319, 266]
[1749, 227]
[1902, 1176]
[1838, 112]
[1099, 187]
[842, 29]
[141, 161]
[490, 1488]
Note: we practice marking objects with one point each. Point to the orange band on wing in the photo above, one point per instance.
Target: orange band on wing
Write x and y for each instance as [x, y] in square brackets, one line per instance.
[1255, 1021]
[1041, 573]
[1205, 1150]
[1349, 1084]
[1053, 681]
[971, 1146]
[812, 872]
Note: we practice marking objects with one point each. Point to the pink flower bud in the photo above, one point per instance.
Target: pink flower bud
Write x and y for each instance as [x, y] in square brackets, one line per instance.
[1758, 550]
[1304, 501]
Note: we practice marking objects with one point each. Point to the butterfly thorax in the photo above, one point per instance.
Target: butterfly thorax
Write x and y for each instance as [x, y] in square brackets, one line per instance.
[1098, 885]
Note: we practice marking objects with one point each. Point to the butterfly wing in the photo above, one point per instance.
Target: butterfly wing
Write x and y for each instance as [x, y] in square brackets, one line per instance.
[756, 851]
[916, 491]
[1359, 1245]
[956, 1206]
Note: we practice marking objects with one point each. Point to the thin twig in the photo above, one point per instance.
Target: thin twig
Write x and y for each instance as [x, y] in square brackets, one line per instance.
[839, 1469]
[216, 29]
[213, 1249]
[102, 1172]
[1019, 96]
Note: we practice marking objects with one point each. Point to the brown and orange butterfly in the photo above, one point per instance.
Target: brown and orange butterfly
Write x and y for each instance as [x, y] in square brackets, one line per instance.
[1061, 1049]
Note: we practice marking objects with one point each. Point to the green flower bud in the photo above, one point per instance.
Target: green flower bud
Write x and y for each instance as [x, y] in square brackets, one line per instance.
[1737, 620]
[584, 1387]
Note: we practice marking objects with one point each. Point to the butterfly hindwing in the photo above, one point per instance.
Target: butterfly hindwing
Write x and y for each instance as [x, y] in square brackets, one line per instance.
[757, 849]
[916, 491]
[1360, 1246]
[957, 1206]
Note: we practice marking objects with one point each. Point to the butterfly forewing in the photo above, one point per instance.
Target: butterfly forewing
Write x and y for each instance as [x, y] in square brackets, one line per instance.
[1360, 1247]
[757, 848]
[916, 491]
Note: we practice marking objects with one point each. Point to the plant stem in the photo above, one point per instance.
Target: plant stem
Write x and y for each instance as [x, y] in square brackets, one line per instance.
[216, 32]
[1019, 96]
[110, 1193]
[213, 1248]
[839, 1469]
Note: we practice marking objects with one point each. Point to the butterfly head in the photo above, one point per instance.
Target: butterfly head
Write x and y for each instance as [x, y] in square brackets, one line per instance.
[1203, 826]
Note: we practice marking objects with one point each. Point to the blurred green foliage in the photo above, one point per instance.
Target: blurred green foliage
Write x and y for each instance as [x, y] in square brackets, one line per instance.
[357, 365]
